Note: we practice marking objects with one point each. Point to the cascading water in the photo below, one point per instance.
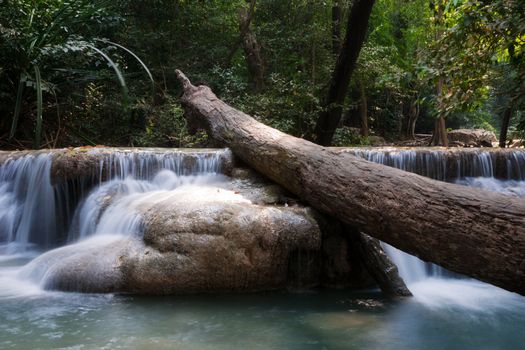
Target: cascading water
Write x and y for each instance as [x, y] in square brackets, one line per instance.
[32, 208]
[114, 207]
[27, 204]
[498, 171]
[450, 164]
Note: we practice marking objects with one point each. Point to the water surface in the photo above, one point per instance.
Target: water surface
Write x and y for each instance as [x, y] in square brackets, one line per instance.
[444, 314]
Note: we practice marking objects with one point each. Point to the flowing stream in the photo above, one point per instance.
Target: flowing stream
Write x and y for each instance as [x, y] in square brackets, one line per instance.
[431, 284]
[36, 216]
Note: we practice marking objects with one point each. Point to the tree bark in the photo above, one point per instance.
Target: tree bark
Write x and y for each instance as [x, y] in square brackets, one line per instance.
[378, 264]
[466, 230]
[413, 114]
[355, 36]
[252, 49]
[410, 113]
[439, 137]
[337, 17]
[505, 121]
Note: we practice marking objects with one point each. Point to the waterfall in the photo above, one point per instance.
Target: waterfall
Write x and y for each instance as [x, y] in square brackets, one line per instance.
[144, 165]
[27, 203]
[36, 213]
[496, 170]
[114, 207]
[39, 211]
[450, 164]
[411, 268]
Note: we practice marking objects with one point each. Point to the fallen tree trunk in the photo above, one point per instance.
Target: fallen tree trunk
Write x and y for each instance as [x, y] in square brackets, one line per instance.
[466, 230]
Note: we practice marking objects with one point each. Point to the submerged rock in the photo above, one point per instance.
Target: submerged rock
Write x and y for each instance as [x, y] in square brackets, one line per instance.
[93, 265]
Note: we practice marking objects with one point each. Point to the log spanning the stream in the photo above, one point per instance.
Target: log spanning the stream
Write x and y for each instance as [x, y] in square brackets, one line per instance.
[466, 230]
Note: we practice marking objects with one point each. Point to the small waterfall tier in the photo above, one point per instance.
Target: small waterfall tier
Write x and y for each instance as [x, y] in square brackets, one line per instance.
[449, 164]
[40, 191]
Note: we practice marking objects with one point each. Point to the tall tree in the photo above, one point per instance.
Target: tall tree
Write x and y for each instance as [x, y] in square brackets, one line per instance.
[346, 62]
[251, 47]
[480, 52]
[337, 17]
[439, 136]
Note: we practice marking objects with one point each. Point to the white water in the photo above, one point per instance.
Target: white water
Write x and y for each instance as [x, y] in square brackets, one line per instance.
[111, 211]
[115, 206]
[431, 284]
[434, 287]
[32, 209]
[509, 187]
[27, 204]
[451, 165]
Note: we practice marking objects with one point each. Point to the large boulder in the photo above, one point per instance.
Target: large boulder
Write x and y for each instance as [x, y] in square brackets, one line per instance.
[472, 138]
[219, 241]
[245, 235]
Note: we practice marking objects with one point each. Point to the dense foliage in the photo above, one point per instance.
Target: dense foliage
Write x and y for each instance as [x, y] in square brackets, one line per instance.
[73, 72]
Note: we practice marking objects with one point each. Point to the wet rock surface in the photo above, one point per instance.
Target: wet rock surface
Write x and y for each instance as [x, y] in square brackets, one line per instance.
[244, 235]
[224, 244]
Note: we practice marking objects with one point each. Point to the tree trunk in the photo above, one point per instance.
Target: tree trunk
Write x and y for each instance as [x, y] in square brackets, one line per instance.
[410, 113]
[337, 17]
[466, 230]
[355, 36]
[505, 121]
[439, 136]
[413, 114]
[378, 264]
[252, 49]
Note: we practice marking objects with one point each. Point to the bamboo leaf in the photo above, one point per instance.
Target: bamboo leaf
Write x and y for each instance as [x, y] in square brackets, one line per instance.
[38, 132]
[119, 74]
[18, 105]
[138, 60]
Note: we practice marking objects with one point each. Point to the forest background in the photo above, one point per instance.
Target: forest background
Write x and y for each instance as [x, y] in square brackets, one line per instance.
[77, 72]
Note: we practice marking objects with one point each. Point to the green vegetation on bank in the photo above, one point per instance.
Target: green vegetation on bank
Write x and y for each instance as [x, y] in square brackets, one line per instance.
[78, 72]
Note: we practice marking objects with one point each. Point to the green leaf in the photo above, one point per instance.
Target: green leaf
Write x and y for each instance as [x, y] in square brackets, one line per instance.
[138, 60]
[18, 105]
[119, 74]
[38, 132]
